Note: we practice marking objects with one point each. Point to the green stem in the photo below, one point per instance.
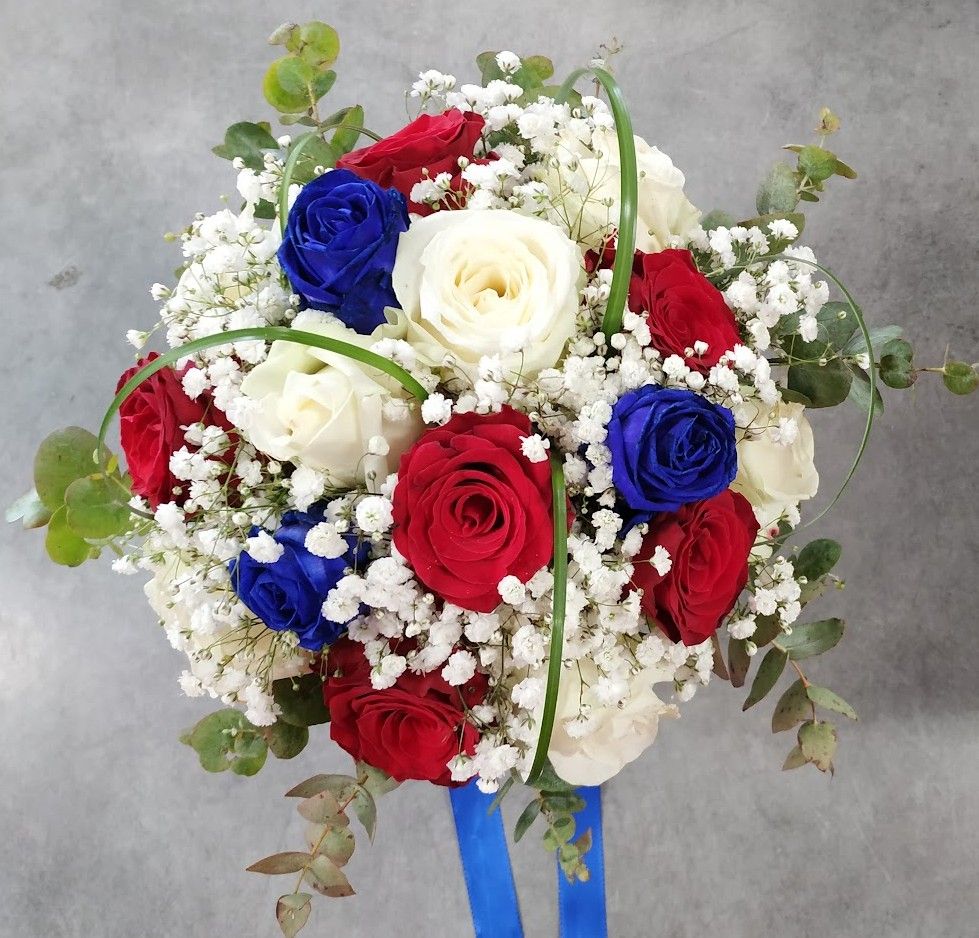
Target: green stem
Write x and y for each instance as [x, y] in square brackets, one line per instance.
[560, 511]
[628, 194]
[288, 171]
[268, 334]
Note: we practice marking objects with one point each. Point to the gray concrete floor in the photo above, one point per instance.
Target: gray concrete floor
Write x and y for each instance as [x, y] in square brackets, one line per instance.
[108, 827]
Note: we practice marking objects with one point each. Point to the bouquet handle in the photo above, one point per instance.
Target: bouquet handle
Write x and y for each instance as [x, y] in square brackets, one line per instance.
[489, 878]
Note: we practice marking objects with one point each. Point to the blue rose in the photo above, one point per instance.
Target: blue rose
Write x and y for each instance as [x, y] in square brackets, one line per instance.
[669, 447]
[339, 245]
[289, 593]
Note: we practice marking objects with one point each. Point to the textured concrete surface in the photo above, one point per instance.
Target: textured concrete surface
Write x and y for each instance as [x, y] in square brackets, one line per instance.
[107, 825]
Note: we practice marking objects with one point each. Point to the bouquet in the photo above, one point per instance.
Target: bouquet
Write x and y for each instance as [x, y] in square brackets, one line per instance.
[478, 449]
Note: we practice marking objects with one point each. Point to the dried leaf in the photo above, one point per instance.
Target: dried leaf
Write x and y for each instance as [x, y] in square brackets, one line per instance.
[279, 863]
[292, 912]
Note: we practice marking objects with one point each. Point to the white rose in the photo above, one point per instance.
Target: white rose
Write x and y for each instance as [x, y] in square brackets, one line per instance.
[773, 476]
[321, 409]
[476, 283]
[619, 734]
[588, 197]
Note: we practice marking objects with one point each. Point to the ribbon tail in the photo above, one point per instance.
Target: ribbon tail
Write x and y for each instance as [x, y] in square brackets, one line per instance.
[582, 905]
[485, 864]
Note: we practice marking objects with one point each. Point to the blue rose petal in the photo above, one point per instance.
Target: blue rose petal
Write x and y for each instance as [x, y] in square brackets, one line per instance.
[339, 246]
[289, 593]
[669, 447]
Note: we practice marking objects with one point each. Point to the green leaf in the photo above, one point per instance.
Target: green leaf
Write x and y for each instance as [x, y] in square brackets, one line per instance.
[817, 558]
[288, 84]
[717, 218]
[960, 378]
[861, 394]
[829, 700]
[63, 457]
[286, 740]
[376, 782]
[316, 784]
[559, 832]
[818, 164]
[793, 707]
[879, 337]
[95, 507]
[280, 863]
[347, 134]
[767, 629]
[738, 661]
[777, 191]
[337, 843]
[226, 740]
[841, 169]
[321, 84]
[501, 793]
[836, 324]
[247, 141]
[794, 760]
[769, 671]
[526, 819]
[322, 808]
[301, 700]
[897, 364]
[825, 385]
[817, 740]
[29, 510]
[317, 44]
[292, 912]
[812, 638]
[63, 545]
[329, 879]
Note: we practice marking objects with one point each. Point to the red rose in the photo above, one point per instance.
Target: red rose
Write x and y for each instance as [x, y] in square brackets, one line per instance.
[709, 543]
[411, 730]
[682, 307]
[470, 508]
[432, 142]
[150, 422]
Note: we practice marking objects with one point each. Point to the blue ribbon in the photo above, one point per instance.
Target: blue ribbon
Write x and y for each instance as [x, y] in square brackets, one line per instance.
[485, 864]
[581, 906]
[489, 876]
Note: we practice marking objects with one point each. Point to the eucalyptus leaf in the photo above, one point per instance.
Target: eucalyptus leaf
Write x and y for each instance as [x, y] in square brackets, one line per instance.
[248, 142]
[777, 192]
[897, 364]
[861, 393]
[825, 385]
[837, 324]
[376, 782]
[738, 661]
[328, 879]
[347, 131]
[317, 43]
[337, 843]
[960, 378]
[96, 507]
[769, 671]
[29, 510]
[288, 84]
[286, 740]
[316, 784]
[63, 457]
[793, 707]
[226, 740]
[526, 819]
[794, 760]
[830, 700]
[879, 337]
[280, 863]
[812, 638]
[300, 700]
[292, 912]
[322, 808]
[817, 163]
[63, 545]
[817, 740]
[817, 558]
